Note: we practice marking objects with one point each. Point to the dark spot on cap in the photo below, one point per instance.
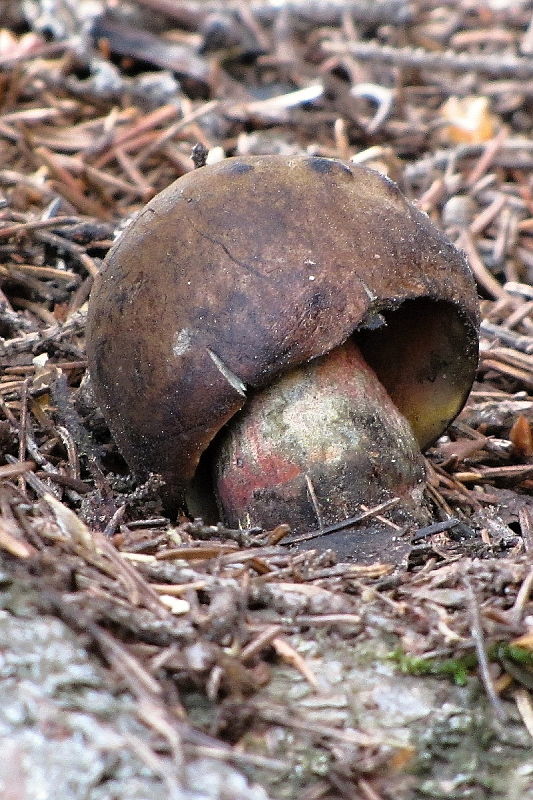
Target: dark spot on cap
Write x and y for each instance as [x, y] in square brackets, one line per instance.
[325, 166]
[318, 302]
[321, 165]
[237, 168]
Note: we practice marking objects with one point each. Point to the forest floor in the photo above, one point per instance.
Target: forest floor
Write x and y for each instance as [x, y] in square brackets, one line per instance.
[147, 657]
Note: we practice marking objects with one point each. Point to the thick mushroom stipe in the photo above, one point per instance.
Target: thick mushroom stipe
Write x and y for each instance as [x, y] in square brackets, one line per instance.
[315, 446]
[242, 272]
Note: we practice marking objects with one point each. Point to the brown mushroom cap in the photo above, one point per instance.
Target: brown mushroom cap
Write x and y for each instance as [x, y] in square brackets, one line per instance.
[241, 270]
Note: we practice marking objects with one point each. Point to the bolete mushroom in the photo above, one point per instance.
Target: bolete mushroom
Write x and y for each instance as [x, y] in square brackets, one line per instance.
[285, 332]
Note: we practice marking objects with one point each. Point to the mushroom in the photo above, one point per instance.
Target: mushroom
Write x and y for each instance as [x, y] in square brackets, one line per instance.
[284, 332]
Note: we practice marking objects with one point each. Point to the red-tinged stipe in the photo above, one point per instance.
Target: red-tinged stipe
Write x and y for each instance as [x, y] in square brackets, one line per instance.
[309, 450]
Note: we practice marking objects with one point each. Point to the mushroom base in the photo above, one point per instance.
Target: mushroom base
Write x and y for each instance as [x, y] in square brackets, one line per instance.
[314, 448]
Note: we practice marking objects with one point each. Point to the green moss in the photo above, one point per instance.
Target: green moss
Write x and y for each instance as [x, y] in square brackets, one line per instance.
[519, 655]
[457, 669]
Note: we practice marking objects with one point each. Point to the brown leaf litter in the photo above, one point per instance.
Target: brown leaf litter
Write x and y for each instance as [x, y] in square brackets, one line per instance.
[94, 124]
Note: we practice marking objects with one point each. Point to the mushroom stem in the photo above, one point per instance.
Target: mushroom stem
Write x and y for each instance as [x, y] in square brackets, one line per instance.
[315, 446]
